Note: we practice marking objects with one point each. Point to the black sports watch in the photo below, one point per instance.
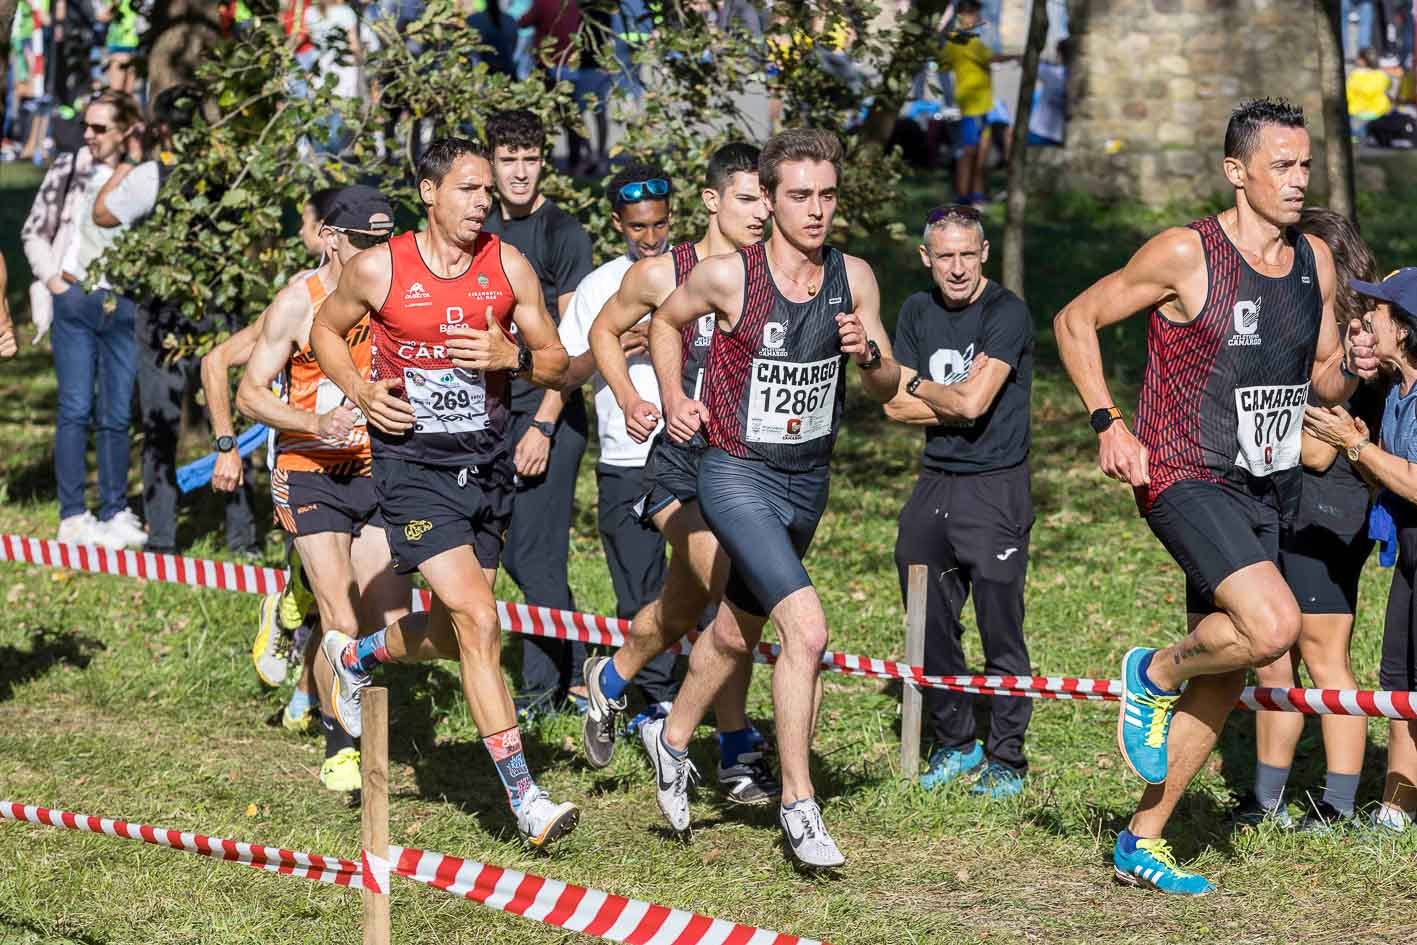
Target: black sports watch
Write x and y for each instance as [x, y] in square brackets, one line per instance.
[875, 359]
[225, 444]
[523, 361]
[914, 383]
[546, 427]
[1104, 417]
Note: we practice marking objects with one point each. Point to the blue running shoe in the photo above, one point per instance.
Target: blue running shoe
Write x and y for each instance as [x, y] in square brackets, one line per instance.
[1151, 865]
[998, 781]
[1144, 721]
[949, 764]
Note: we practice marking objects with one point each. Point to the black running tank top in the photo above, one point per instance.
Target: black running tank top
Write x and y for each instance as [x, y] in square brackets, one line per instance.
[774, 383]
[698, 334]
[1223, 396]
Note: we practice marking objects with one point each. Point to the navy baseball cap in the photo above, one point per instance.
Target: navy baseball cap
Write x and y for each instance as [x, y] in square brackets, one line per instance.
[362, 209]
[1399, 288]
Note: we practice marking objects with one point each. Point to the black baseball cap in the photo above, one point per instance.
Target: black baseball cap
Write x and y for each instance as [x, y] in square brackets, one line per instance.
[1399, 288]
[362, 209]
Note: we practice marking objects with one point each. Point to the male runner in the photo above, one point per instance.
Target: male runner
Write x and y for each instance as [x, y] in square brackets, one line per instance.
[698, 568]
[321, 482]
[441, 304]
[1240, 332]
[789, 313]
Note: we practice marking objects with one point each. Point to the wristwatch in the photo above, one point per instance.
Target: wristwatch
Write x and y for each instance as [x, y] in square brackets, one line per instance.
[1346, 371]
[225, 444]
[1104, 417]
[875, 360]
[914, 384]
[523, 361]
[1357, 448]
[546, 427]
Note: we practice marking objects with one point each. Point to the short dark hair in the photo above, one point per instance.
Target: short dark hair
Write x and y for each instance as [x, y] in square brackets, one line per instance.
[735, 158]
[516, 128]
[1242, 134]
[635, 172]
[797, 144]
[969, 6]
[442, 154]
[1352, 259]
[323, 201]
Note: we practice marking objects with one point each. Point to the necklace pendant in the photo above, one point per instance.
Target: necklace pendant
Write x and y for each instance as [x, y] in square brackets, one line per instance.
[811, 288]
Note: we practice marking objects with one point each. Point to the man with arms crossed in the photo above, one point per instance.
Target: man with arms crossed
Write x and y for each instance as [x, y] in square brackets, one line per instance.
[790, 312]
[697, 567]
[1239, 329]
[440, 304]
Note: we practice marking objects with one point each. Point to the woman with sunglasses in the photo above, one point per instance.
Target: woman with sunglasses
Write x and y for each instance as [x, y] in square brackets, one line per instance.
[94, 332]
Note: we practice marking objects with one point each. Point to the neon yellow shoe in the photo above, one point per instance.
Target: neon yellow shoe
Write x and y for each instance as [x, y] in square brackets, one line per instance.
[340, 772]
[298, 724]
[296, 600]
[271, 665]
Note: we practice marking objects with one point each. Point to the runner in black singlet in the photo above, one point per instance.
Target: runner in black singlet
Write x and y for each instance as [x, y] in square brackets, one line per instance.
[790, 313]
[1240, 335]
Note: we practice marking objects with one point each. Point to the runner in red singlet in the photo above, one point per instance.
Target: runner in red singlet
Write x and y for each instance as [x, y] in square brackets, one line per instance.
[1239, 337]
[441, 304]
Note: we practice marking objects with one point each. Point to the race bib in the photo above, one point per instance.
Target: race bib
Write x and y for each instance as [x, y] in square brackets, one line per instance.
[328, 396]
[446, 400]
[791, 403]
[1270, 421]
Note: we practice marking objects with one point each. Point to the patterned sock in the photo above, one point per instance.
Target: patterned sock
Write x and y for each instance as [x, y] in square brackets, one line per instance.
[336, 738]
[506, 751]
[367, 652]
[611, 682]
[1269, 785]
[733, 744]
[300, 703]
[1341, 790]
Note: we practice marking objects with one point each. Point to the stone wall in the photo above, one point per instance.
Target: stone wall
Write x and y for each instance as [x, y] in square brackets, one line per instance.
[1153, 83]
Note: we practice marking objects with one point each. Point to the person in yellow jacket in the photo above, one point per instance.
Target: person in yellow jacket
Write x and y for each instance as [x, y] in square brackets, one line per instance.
[967, 57]
[1367, 91]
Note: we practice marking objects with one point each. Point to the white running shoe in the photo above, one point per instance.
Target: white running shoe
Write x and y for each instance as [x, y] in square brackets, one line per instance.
[1390, 817]
[672, 774]
[271, 664]
[81, 530]
[541, 820]
[126, 529]
[345, 684]
[807, 836]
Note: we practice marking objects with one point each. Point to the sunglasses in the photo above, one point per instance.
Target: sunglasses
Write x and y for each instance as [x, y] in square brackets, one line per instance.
[364, 238]
[635, 191]
[96, 128]
[953, 211]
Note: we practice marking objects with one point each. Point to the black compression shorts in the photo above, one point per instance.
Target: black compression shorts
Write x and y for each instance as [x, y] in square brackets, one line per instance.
[1212, 531]
[429, 509]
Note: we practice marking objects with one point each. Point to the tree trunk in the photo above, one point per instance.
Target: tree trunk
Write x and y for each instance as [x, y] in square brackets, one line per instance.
[181, 35]
[1338, 135]
[1017, 205]
[7, 22]
[911, 54]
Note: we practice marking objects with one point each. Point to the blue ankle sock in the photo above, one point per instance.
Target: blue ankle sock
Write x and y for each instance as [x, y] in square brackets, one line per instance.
[1127, 841]
[733, 744]
[299, 704]
[370, 651]
[611, 682]
[1152, 687]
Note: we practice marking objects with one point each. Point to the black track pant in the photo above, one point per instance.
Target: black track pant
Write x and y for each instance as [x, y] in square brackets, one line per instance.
[972, 531]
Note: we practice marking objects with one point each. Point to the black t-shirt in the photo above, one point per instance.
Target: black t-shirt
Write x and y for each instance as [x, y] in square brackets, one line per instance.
[941, 344]
[558, 248]
[1338, 496]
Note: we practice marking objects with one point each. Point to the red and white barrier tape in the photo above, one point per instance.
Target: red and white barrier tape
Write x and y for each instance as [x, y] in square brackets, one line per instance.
[577, 908]
[610, 631]
[322, 869]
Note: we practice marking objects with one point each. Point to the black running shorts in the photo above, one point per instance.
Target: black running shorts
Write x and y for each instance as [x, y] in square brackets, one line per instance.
[1212, 531]
[765, 519]
[429, 509]
[671, 474]
[308, 503]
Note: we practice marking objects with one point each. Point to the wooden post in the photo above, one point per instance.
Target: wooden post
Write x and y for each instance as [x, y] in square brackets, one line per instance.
[914, 655]
[374, 824]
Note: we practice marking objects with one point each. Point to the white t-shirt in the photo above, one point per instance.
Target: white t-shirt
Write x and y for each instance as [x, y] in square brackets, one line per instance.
[325, 29]
[136, 194]
[616, 447]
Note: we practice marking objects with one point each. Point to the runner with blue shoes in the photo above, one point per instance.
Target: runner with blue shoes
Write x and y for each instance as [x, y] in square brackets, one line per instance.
[1240, 336]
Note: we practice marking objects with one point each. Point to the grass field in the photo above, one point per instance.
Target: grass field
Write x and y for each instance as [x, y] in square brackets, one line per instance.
[137, 700]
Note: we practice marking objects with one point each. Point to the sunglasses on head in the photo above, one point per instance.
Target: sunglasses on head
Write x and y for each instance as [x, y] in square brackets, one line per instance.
[635, 191]
[953, 211]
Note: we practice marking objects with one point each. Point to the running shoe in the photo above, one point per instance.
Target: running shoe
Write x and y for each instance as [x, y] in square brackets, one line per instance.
[807, 836]
[1249, 812]
[1151, 865]
[296, 600]
[299, 724]
[602, 713]
[949, 764]
[541, 820]
[340, 772]
[672, 774]
[749, 781]
[1324, 818]
[998, 782]
[270, 665]
[345, 684]
[1144, 721]
[1391, 818]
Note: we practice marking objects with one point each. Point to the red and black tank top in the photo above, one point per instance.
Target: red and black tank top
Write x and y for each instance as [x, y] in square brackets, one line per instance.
[774, 386]
[1223, 396]
[460, 416]
[698, 334]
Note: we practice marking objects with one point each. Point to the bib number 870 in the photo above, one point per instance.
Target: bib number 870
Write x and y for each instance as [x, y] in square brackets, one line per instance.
[1272, 426]
[795, 400]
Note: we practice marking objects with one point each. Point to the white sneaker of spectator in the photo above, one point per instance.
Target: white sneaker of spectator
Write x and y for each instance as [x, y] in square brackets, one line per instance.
[1391, 817]
[124, 530]
[83, 530]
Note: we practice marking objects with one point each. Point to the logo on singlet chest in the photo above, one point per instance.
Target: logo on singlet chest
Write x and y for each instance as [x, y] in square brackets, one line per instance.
[703, 337]
[774, 340]
[1246, 316]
